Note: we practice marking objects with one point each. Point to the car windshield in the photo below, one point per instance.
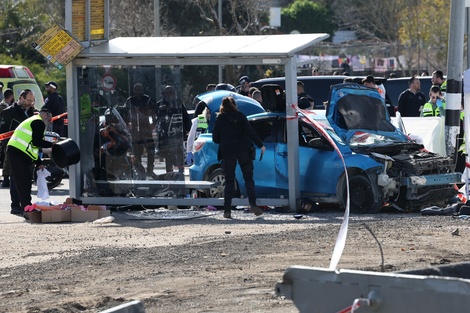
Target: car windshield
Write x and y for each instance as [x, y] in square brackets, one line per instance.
[326, 127]
[369, 139]
[335, 137]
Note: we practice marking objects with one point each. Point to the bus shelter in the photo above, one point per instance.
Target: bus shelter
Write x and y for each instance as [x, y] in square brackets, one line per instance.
[115, 160]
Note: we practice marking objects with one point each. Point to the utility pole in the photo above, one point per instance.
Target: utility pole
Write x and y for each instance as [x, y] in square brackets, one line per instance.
[219, 16]
[156, 18]
[454, 75]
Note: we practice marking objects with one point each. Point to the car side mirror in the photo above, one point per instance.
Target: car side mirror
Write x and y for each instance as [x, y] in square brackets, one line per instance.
[319, 143]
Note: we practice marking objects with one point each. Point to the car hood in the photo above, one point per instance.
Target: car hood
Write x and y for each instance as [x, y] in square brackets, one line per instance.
[213, 100]
[354, 110]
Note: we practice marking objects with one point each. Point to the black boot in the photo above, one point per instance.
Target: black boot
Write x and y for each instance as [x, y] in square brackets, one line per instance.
[6, 182]
[227, 212]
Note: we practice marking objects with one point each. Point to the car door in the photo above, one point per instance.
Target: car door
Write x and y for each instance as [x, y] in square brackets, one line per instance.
[263, 174]
[319, 165]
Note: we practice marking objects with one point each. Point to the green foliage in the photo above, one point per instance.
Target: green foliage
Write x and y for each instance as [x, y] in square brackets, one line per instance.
[426, 29]
[22, 23]
[307, 16]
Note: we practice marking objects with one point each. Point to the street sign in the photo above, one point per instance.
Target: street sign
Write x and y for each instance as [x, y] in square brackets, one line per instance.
[109, 82]
[88, 20]
[58, 46]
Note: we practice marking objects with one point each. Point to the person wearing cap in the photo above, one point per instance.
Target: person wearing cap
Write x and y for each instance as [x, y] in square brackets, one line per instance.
[23, 150]
[244, 86]
[55, 104]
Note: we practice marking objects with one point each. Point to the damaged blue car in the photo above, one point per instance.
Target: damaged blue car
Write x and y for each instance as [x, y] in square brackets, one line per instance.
[385, 167]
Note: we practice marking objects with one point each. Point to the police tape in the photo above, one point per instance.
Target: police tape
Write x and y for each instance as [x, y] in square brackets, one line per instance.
[8, 134]
[343, 231]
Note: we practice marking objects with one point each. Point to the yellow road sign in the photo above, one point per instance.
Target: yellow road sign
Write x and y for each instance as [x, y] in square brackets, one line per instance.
[58, 46]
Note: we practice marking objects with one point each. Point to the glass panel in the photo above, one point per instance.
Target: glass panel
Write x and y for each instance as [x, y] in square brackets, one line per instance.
[133, 123]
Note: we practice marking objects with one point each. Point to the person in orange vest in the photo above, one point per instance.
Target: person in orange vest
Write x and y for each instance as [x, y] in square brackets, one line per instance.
[369, 81]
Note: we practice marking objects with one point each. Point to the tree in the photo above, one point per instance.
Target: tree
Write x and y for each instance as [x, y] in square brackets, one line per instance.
[423, 33]
[307, 16]
[24, 22]
[416, 29]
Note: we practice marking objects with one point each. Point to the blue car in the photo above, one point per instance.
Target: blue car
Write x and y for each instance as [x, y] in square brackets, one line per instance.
[384, 165]
[213, 100]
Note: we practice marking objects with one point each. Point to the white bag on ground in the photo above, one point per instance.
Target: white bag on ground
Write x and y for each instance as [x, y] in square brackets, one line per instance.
[43, 192]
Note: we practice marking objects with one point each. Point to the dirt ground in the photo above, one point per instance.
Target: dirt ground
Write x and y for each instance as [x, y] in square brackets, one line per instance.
[184, 261]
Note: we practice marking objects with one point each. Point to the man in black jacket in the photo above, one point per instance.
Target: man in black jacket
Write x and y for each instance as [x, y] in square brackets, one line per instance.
[55, 104]
[10, 118]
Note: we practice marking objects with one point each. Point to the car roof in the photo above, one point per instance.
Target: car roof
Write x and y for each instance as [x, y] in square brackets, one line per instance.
[213, 100]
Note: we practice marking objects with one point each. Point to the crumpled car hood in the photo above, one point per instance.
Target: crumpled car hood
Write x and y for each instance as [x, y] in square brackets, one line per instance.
[354, 108]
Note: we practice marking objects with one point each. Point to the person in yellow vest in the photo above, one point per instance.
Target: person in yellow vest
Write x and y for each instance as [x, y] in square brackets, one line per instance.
[199, 125]
[436, 106]
[23, 150]
[438, 79]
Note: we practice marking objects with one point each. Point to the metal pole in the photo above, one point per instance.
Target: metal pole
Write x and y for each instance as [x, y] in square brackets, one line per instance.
[467, 22]
[219, 13]
[454, 75]
[156, 17]
[293, 135]
[466, 173]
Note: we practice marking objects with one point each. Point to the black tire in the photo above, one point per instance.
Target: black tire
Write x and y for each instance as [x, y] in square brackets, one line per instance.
[217, 175]
[57, 174]
[361, 195]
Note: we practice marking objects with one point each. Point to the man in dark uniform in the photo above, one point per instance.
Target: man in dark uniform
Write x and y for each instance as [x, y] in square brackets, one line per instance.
[244, 86]
[55, 104]
[173, 124]
[139, 113]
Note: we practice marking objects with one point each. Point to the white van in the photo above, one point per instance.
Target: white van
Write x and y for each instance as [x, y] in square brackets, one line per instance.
[19, 78]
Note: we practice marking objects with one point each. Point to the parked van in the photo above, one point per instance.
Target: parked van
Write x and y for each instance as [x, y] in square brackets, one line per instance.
[395, 86]
[18, 78]
[318, 87]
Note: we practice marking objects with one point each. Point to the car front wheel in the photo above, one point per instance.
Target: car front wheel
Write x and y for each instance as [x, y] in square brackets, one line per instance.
[361, 195]
[217, 175]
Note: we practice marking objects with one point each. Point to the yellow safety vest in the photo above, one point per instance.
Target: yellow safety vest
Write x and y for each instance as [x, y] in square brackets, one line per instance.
[201, 125]
[432, 110]
[23, 136]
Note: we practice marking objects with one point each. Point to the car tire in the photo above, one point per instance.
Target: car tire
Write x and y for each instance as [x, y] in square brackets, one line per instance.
[217, 175]
[361, 195]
